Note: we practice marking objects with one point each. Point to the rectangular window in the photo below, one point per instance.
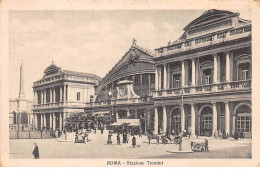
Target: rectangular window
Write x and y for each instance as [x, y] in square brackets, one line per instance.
[208, 79]
[244, 75]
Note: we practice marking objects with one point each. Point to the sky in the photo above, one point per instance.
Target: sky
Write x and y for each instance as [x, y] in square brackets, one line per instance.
[86, 41]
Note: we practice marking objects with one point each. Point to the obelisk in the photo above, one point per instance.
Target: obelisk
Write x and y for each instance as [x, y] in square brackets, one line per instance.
[21, 89]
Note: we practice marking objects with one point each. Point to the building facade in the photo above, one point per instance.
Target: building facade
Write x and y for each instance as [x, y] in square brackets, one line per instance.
[203, 79]
[126, 91]
[60, 94]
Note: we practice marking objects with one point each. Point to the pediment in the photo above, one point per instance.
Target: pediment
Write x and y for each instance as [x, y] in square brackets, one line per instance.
[52, 69]
[134, 54]
[209, 17]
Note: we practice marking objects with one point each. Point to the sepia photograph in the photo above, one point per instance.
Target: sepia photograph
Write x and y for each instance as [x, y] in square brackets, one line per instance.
[133, 87]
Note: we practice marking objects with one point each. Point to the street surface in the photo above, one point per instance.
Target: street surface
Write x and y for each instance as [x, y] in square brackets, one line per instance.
[97, 148]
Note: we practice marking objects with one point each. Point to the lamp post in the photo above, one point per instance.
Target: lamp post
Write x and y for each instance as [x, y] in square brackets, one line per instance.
[109, 140]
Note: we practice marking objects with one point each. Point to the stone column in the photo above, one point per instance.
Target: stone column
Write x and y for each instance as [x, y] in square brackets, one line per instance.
[60, 93]
[44, 120]
[182, 119]
[193, 77]
[34, 97]
[127, 113]
[64, 93]
[227, 117]
[156, 78]
[28, 117]
[54, 121]
[165, 76]
[148, 118]
[45, 96]
[136, 114]
[182, 73]
[215, 77]
[41, 97]
[168, 76]
[51, 121]
[41, 115]
[214, 117]
[155, 120]
[116, 115]
[193, 120]
[60, 121]
[36, 121]
[227, 66]
[50, 95]
[54, 95]
[164, 119]
[160, 78]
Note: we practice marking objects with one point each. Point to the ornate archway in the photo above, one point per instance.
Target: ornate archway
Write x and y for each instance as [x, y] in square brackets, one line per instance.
[206, 120]
[242, 119]
[175, 119]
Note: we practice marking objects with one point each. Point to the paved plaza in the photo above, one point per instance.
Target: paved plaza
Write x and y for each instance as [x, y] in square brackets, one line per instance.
[97, 148]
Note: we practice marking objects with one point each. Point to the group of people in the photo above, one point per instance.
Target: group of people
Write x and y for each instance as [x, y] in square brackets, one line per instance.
[126, 137]
[239, 135]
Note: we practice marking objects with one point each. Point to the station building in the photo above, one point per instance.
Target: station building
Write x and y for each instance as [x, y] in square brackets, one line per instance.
[61, 94]
[126, 91]
[203, 79]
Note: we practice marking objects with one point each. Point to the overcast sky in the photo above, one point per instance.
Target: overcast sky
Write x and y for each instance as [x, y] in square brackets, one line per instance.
[86, 41]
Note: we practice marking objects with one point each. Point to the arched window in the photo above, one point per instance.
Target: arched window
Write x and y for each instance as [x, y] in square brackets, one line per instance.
[78, 96]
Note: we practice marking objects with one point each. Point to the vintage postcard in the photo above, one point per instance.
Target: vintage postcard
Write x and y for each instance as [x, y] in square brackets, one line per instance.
[129, 83]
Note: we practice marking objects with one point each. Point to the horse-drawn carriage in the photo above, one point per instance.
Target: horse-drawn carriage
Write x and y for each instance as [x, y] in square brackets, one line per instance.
[198, 147]
[82, 137]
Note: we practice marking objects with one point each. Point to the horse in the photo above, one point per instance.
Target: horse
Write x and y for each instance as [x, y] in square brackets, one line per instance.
[154, 136]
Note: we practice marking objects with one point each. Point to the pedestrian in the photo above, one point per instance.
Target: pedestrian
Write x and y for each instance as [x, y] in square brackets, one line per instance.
[241, 135]
[236, 135]
[133, 141]
[76, 138]
[180, 143]
[102, 130]
[206, 145]
[127, 137]
[36, 152]
[173, 132]
[140, 132]
[124, 137]
[118, 139]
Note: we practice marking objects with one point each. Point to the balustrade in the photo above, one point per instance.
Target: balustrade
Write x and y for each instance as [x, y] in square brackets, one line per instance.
[211, 88]
[198, 42]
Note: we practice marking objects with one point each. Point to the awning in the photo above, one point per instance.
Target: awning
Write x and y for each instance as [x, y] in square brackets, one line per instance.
[134, 124]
